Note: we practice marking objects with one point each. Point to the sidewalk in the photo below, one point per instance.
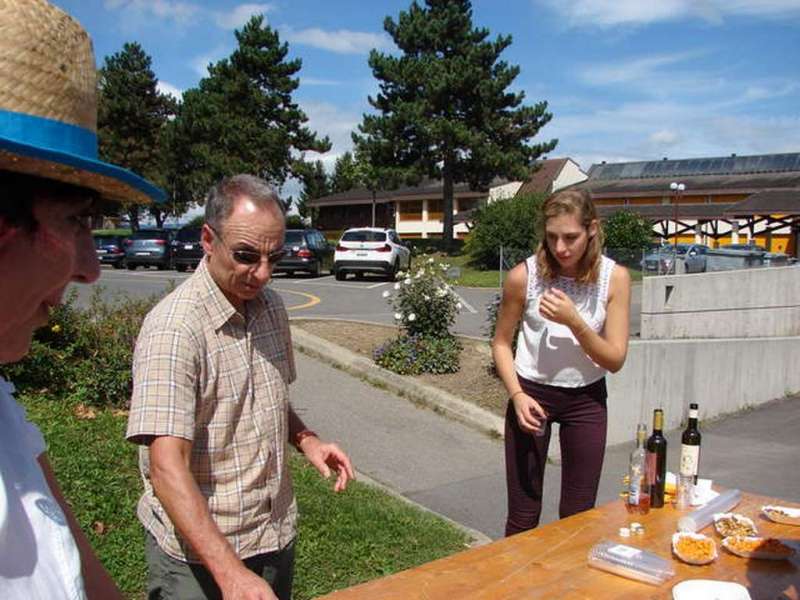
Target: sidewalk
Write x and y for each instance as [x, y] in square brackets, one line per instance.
[457, 470]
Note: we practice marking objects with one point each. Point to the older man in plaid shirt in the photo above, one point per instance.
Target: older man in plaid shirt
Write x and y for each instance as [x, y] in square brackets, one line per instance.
[211, 411]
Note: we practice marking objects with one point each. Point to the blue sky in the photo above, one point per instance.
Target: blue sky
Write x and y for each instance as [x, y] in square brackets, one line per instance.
[624, 79]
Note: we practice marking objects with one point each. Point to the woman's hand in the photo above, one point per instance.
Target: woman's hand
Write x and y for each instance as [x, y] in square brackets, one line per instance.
[556, 306]
[530, 415]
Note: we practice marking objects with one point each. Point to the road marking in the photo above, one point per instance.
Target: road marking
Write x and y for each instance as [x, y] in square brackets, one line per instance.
[313, 300]
[464, 303]
[354, 286]
[377, 285]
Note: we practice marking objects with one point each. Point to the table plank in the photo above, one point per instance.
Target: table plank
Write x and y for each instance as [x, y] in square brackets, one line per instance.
[551, 562]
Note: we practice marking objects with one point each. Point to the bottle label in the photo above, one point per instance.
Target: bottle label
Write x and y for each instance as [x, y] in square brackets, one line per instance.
[651, 468]
[633, 490]
[690, 457]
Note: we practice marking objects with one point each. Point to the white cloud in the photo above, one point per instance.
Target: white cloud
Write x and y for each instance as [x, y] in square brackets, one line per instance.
[240, 15]
[341, 41]
[200, 63]
[664, 137]
[634, 69]
[167, 88]
[610, 13]
[178, 12]
[674, 129]
[335, 122]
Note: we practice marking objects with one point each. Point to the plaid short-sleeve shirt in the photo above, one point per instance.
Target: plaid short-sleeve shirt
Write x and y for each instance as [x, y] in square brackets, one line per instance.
[204, 373]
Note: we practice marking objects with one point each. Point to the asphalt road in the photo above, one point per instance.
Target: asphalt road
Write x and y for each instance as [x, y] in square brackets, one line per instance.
[320, 297]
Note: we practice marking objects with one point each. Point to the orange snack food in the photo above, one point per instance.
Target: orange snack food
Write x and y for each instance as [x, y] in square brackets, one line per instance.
[693, 548]
[757, 547]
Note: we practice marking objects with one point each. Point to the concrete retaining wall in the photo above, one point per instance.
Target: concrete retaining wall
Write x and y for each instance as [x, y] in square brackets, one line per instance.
[722, 376]
[749, 303]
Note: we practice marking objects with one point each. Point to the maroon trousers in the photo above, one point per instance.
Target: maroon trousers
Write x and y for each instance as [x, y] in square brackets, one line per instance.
[581, 414]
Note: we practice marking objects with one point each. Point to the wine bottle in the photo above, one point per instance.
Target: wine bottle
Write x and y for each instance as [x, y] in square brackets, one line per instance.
[657, 460]
[690, 446]
[638, 488]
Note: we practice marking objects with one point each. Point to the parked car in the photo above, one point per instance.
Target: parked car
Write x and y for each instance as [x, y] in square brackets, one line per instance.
[695, 259]
[370, 250]
[751, 247]
[306, 250]
[149, 247]
[110, 250]
[661, 260]
[187, 251]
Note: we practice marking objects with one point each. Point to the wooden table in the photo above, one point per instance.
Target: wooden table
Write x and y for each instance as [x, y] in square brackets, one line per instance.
[551, 562]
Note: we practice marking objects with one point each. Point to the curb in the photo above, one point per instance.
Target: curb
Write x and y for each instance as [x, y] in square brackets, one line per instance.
[419, 393]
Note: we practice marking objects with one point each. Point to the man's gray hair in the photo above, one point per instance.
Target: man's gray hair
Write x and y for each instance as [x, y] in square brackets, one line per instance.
[220, 198]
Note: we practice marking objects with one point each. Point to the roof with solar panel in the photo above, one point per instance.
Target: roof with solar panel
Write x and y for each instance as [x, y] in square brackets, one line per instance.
[733, 173]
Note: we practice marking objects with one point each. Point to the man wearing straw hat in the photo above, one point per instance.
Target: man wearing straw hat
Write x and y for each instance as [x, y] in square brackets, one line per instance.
[50, 184]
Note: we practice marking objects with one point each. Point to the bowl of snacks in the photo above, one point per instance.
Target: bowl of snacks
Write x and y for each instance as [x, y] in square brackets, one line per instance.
[757, 547]
[694, 548]
[782, 514]
[728, 524]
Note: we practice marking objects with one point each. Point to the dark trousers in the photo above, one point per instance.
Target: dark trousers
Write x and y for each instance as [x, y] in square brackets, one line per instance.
[173, 579]
[581, 414]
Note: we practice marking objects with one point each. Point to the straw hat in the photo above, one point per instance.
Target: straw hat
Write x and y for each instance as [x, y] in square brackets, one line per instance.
[48, 103]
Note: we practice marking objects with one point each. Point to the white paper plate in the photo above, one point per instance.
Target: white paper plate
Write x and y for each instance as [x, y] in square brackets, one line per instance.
[727, 544]
[786, 515]
[692, 589]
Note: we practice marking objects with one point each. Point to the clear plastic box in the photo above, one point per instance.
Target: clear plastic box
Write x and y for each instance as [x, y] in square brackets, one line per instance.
[630, 562]
[704, 516]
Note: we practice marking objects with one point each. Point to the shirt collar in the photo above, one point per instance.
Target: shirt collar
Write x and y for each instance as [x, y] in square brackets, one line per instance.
[219, 308]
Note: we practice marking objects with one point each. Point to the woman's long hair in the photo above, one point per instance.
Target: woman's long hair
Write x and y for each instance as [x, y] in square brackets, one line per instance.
[571, 202]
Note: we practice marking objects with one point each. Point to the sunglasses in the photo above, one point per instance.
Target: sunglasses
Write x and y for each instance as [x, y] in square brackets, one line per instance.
[251, 257]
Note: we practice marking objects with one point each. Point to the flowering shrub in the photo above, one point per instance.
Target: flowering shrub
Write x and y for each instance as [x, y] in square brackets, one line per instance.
[425, 308]
[85, 354]
[424, 304]
[417, 354]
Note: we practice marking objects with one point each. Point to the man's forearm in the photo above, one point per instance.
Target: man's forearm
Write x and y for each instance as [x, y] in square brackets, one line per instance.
[177, 490]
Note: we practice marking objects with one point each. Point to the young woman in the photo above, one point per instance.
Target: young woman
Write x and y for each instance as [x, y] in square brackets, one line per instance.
[571, 304]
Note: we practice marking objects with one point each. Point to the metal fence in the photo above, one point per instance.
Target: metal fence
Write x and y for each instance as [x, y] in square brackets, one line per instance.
[696, 258]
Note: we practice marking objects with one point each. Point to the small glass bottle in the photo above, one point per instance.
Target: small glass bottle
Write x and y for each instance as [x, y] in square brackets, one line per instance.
[638, 487]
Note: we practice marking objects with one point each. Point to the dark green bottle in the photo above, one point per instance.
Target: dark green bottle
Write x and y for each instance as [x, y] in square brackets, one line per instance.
[657, 460]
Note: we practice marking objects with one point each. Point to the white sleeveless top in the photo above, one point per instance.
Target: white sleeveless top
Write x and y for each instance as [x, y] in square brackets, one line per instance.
[547, 352]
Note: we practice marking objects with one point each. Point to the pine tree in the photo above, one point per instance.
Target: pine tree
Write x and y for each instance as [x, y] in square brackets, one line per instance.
[315, 185]
[241, 118]
[346, 174]
[444, 110]
[131, 121]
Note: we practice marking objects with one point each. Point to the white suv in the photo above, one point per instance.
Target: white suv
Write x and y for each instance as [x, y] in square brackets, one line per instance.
[370, 250]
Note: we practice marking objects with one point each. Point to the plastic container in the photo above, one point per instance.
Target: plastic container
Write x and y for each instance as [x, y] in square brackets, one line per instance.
[630, 562]
[704, 516]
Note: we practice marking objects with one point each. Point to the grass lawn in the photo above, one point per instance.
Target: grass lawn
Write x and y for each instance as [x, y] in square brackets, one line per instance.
[344, 539]
[470, 276]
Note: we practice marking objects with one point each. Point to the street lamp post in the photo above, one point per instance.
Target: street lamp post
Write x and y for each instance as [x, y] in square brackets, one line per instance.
[677, 189]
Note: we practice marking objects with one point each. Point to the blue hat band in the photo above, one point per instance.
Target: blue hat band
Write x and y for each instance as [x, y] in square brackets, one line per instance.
[48, 133]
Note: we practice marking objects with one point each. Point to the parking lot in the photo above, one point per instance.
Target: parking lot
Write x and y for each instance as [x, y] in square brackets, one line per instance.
[321, 297]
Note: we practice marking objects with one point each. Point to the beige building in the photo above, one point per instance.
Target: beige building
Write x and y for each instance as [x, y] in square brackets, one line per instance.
[416, 212]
